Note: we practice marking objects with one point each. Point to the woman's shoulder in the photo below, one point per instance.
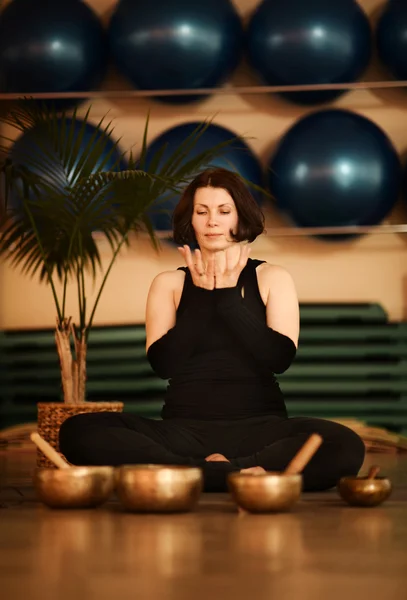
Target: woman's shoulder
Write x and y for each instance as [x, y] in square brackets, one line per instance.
[267, 269]
[274, 276]
[168, 280]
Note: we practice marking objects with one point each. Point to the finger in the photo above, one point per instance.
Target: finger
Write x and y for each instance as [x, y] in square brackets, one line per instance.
[199, 262]
[228, 261]
[216, 264]
[230, 264]
[182, 251]
[210, 265]
[188, 258]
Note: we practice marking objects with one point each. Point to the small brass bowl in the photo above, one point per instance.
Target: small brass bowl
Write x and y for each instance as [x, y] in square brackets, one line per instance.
[265, 492]
[76, 487]
[159, 488]
[362, 491]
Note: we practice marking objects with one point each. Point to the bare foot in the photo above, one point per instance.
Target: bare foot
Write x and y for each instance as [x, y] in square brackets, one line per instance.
[216, 458]
[254, 470]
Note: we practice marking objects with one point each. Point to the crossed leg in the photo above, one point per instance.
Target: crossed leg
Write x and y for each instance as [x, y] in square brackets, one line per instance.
[268, 443]
[115, 439]
[271, 445]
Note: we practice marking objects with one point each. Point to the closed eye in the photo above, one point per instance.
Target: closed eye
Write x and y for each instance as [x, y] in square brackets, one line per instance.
[222, 213]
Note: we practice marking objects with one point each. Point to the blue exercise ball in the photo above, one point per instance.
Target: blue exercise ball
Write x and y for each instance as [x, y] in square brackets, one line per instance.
[176, 44]
[237, 157]
[29, 145]
[297, 42]
[48, 47]
[391, 38]
[335, 168]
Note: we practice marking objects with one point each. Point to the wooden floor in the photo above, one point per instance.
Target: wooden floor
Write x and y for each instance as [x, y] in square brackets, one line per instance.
[322, 549]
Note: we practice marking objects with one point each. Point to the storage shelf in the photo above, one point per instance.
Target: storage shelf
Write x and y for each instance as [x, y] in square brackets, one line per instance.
[226, 90]
[296, 231]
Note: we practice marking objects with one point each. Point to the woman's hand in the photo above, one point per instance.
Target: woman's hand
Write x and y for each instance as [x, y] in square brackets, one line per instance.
[226, 275]
[202, 276]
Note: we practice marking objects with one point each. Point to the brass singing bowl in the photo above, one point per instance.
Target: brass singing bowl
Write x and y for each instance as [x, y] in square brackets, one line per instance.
[158, 488]
[265, 492]
[76, 487]
[364, 491]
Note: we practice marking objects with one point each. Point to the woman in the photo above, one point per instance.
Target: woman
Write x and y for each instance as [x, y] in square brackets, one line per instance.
[219, 330]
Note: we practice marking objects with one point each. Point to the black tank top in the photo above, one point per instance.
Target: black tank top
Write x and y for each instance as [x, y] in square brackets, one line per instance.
[220, 380]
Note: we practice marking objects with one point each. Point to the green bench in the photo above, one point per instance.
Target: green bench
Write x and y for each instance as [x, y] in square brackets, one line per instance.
[351, 362]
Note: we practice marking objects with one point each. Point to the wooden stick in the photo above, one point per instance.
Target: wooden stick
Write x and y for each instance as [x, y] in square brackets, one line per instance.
[302, 458]
[82, 368]
[373, 472]
[49, 451]
[74, 366]
[65, 360]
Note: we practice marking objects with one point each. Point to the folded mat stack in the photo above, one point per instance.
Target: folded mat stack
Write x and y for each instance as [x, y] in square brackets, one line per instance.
[351, 364]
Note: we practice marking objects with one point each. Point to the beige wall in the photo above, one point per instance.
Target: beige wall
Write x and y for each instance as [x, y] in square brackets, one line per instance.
[373, 268]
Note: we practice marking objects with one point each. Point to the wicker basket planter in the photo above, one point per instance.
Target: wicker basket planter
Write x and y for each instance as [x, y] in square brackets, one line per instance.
[51, 415]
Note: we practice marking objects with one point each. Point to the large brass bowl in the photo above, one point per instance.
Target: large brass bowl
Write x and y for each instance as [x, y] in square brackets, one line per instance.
[361, 491]
[159, 488]
[265, 492]
[76, 487]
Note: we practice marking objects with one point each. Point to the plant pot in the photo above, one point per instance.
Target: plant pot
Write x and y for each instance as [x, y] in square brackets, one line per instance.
[51, 415]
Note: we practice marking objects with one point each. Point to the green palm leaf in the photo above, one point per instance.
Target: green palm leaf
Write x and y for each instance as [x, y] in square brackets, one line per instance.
[66, 195]
[62, 156]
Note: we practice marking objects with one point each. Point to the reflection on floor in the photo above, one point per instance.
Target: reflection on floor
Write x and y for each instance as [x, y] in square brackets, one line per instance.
[321, 549]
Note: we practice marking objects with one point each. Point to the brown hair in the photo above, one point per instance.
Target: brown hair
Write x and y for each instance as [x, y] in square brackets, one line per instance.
[250, 217]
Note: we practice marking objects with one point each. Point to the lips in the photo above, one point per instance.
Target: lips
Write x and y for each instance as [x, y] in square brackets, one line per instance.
[213, 235]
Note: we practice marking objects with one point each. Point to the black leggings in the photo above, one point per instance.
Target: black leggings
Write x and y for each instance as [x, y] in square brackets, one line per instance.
[270, 442]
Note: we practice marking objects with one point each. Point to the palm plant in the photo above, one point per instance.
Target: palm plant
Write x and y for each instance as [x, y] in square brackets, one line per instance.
[65, 196]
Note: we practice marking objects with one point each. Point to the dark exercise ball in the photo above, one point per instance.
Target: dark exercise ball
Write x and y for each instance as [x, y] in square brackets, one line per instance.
[237, 157]
[298, 42]
[51, 46]
[391, 38]
[335, 168]
[29, 145]
[176, 44]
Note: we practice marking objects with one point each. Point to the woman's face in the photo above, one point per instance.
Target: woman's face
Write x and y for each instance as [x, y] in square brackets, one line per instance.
[214, 216]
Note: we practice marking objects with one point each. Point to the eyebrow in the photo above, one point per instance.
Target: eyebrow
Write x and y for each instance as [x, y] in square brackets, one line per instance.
[206, 206]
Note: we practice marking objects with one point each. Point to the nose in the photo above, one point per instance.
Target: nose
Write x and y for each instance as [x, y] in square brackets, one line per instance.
[212, 221]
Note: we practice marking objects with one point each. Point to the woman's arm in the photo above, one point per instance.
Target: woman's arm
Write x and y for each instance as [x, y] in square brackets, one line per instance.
[171, 340]
[273, 345]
